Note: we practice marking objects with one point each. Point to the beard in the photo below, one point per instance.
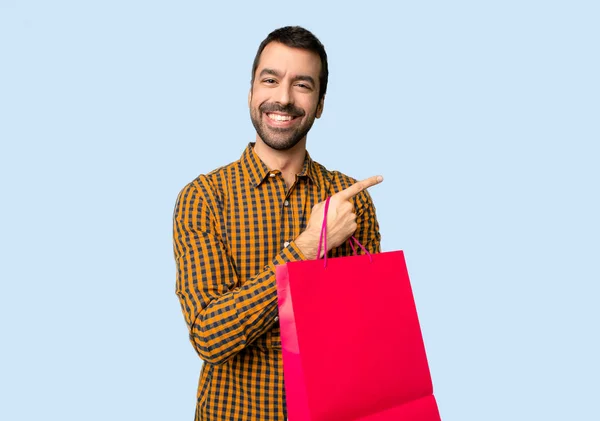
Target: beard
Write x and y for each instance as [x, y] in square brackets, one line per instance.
[277, 138]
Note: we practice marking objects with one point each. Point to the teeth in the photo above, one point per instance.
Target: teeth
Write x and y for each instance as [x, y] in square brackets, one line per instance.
[279, 117]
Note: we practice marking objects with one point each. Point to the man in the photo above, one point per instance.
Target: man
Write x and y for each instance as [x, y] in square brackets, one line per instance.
[235, 224]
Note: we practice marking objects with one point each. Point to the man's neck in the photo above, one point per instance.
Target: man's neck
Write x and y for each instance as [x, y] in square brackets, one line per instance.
[289, 162]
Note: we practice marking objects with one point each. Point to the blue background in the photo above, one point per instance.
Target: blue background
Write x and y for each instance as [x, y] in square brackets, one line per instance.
[482, 116]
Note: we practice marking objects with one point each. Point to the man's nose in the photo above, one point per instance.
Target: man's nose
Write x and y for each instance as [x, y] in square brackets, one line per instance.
[283, 95]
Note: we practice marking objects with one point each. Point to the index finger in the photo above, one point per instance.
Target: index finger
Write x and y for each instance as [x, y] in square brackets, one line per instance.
[359, 186]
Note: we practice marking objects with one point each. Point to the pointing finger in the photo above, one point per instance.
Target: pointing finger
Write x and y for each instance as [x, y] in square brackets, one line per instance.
[359, 186]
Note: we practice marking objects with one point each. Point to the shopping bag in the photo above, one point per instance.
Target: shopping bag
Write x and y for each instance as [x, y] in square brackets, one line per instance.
[351, 342]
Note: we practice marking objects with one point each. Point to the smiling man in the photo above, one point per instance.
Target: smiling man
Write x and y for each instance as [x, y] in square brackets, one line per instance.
[233, 225]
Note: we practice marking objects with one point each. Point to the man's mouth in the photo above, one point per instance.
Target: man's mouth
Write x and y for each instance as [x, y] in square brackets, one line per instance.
[280, 117]
[281, 121]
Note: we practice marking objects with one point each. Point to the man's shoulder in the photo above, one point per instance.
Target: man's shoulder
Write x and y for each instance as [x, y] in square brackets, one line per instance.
[213, 182]
[335, 178]
[217, 176]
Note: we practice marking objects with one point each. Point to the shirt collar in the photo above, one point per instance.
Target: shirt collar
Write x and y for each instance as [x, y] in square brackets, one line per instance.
[258, 171]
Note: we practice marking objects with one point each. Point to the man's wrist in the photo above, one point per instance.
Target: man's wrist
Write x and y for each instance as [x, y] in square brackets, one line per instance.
[308, 245]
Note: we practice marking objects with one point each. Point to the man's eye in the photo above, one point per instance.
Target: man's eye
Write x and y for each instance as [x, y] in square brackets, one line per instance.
[303, 86]
[269, 81]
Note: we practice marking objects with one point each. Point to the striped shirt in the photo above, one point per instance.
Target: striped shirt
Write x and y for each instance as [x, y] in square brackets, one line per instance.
[231, 227]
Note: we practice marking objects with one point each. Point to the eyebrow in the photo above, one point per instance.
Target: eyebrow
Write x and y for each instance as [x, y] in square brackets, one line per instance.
[274, 72]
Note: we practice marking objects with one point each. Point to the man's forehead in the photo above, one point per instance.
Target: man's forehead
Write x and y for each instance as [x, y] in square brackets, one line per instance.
[283, 59]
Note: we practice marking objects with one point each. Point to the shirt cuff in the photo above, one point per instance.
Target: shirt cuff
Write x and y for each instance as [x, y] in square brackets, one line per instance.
[291, 253]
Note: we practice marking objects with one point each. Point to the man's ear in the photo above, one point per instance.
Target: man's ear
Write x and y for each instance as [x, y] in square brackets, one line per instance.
[249, 97]
[320, 107]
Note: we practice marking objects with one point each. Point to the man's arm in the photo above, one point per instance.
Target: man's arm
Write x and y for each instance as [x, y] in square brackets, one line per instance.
[367, 231]
[222, 318]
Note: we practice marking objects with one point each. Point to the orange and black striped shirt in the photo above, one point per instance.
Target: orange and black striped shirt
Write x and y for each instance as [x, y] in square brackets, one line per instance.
[231, 228]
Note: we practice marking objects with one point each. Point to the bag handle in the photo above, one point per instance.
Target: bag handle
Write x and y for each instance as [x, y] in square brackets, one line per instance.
[323, 239]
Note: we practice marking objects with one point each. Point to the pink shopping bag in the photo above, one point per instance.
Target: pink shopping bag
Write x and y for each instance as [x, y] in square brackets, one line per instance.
[351, 341]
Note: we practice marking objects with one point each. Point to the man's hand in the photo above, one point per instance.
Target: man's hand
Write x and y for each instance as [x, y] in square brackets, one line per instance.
[341, 219]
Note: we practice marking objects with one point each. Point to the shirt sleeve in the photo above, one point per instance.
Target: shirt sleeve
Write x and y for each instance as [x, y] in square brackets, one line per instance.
[222, 317]
[367, 231]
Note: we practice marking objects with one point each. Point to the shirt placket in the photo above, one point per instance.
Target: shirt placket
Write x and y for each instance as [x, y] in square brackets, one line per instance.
[281, 203]
[289, 214]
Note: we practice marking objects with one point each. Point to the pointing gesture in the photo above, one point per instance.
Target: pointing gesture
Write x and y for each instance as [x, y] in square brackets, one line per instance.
[341, 219]
[357, 187]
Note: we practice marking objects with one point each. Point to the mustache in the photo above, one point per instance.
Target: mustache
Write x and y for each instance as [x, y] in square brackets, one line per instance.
[290, 109]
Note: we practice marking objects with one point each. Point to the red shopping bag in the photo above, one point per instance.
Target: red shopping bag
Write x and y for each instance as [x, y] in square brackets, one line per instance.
[351, 341]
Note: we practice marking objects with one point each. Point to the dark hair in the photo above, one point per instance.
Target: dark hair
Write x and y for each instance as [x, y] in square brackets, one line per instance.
[297, 37]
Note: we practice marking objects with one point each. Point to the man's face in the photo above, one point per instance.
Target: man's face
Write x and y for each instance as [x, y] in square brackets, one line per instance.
[284, 98]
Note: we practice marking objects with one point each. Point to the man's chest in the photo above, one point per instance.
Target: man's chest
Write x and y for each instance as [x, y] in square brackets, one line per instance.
[258, 223]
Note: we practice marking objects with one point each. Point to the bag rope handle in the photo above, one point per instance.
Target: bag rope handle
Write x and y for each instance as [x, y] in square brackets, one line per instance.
[323, 239]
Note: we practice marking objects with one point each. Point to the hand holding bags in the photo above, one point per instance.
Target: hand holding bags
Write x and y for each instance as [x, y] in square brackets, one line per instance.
[351, 342]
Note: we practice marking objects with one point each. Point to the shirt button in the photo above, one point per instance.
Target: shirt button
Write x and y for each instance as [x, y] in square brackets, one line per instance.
[286, 203]
[287, 243]
[276, 319]
[272, 175]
